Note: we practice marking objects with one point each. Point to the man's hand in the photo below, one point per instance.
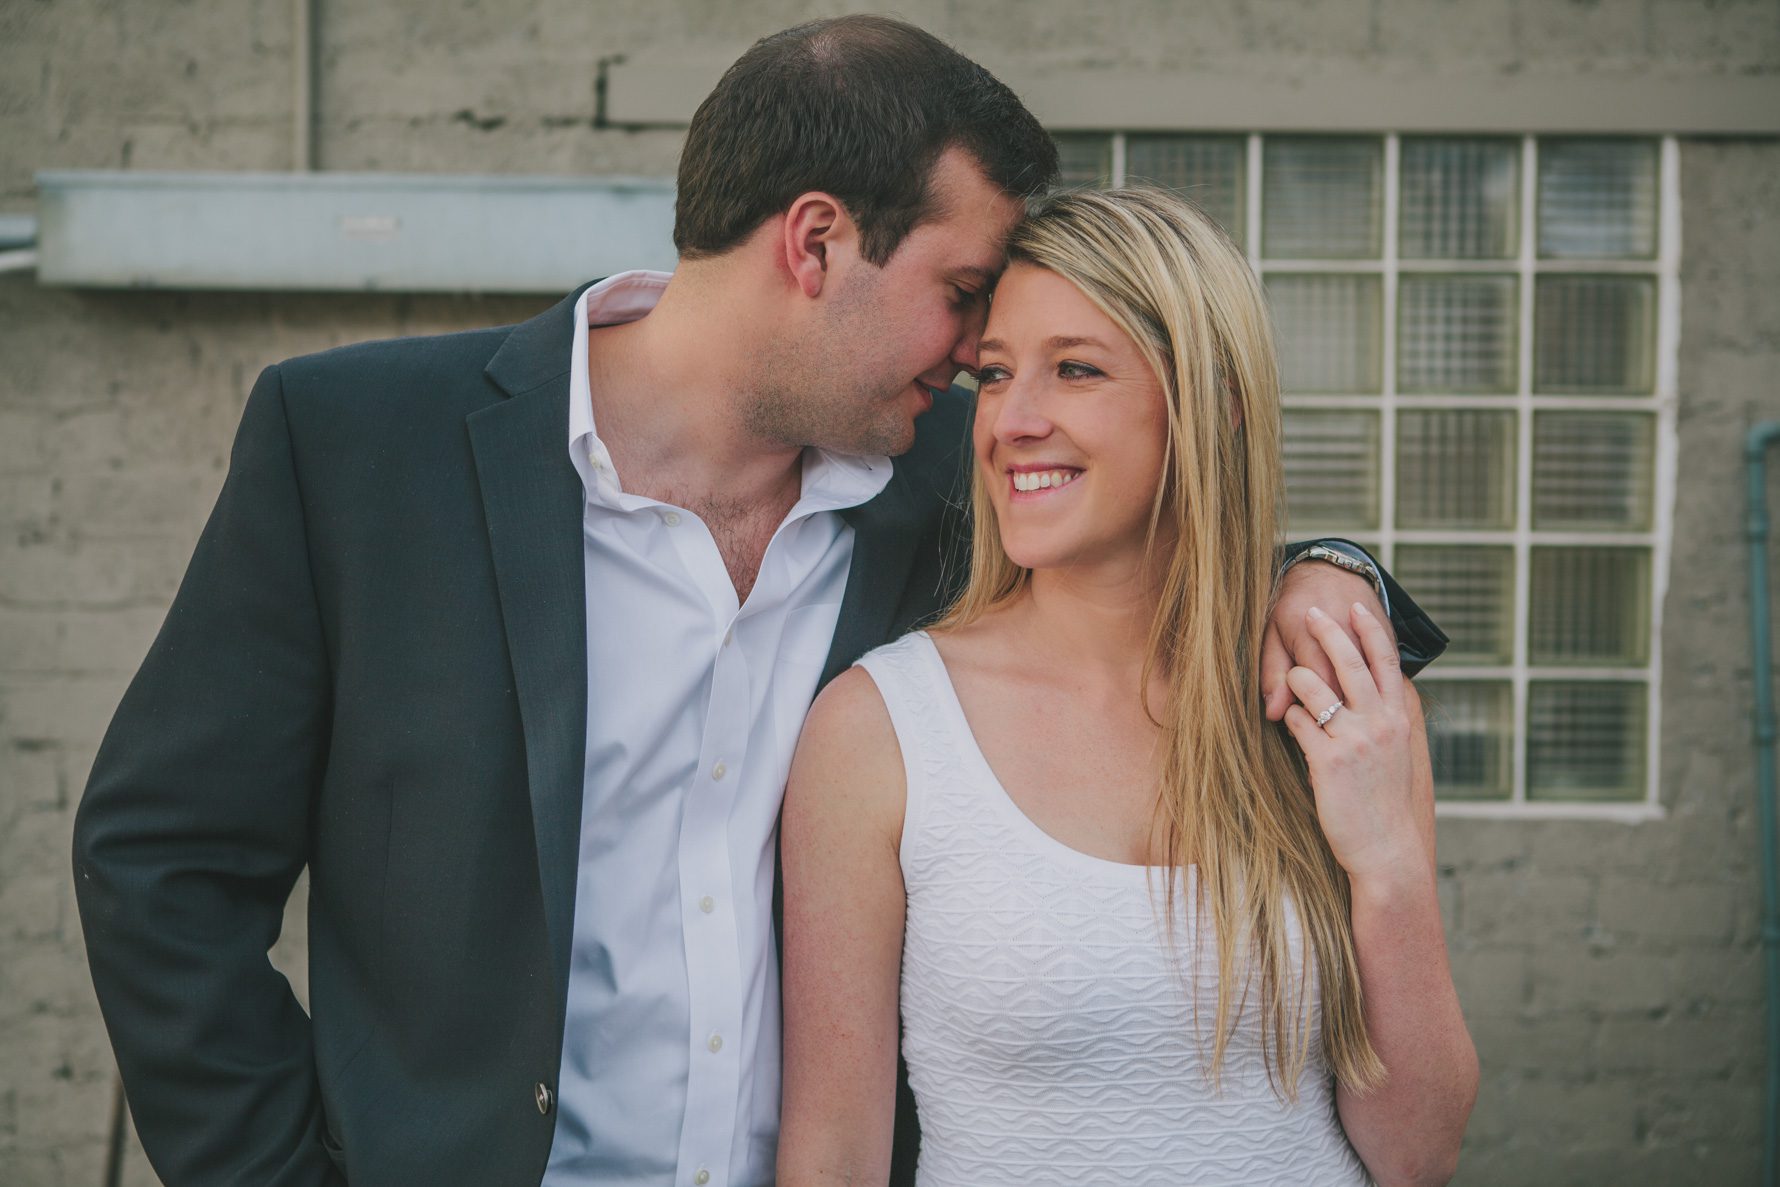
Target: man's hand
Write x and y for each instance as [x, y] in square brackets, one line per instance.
[1288, 641]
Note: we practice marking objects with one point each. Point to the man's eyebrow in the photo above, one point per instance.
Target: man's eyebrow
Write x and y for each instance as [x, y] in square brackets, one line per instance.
[978, 273]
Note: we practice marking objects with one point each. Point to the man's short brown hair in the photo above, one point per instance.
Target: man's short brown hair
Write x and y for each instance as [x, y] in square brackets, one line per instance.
[859, 107]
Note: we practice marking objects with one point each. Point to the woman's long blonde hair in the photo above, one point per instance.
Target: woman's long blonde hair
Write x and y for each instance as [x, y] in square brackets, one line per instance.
[1234, 800]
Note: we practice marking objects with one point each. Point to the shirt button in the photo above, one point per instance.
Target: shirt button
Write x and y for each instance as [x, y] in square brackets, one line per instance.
[707, 904]
[703, 1177]
[718, 771]
[672, 519]
[542, 1095]
[715, 1044]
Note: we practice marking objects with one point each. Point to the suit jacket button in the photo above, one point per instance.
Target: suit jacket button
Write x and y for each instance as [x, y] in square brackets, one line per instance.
[542, 1094]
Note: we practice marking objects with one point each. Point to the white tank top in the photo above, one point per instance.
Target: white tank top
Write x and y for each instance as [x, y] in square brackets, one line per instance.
[1047, 1028]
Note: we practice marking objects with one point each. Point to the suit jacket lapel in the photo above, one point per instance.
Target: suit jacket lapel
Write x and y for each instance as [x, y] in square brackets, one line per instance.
[886, 531]
[532, 499]
[890, 528]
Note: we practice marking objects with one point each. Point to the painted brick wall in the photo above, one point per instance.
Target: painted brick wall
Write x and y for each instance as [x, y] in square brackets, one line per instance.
[1611, 973]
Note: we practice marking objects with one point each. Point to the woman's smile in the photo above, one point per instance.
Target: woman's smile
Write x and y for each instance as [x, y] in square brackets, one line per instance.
[1030, 483]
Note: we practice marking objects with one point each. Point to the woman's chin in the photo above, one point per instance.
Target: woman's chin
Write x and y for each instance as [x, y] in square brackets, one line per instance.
[1037, 557]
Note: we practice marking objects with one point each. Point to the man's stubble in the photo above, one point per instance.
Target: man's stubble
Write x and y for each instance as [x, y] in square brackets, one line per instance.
[830, 389]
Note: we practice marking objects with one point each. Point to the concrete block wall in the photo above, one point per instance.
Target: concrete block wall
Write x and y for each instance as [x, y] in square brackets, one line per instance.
[1611, 973]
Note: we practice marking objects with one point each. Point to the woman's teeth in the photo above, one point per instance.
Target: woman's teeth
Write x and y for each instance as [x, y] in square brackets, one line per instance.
[1043, 479]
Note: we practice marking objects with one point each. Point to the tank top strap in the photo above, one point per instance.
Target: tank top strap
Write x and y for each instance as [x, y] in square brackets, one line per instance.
[908, 673]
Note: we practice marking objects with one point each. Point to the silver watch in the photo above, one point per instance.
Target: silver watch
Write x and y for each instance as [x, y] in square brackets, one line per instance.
[1341, 560]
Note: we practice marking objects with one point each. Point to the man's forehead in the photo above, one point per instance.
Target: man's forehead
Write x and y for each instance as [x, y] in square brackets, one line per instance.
[971, 204]
[976, 235]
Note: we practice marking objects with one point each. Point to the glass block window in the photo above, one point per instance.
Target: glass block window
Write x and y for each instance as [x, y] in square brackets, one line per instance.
[1470, 736]
[1460, 199]
[1322, 196]
[1332, 467]
[1598, 199]
[1456, 333]
[1329, 331]
[1596, 334]
[1585, 740]
[1084, 159]
[1455, 468]
[1207, 170]
[1469, 592]
[1476, 341]
[1594, 471]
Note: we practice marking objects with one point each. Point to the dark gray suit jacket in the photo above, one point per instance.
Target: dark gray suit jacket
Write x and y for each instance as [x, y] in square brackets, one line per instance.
[376, 668]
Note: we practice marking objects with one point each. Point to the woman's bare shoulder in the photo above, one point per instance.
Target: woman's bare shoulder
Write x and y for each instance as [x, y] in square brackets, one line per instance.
[848, 758]
[852, 709]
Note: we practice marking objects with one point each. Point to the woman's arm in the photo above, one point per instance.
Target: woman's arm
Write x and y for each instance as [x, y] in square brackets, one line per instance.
[1375, 797]
[1408, 1130]
[843, 939]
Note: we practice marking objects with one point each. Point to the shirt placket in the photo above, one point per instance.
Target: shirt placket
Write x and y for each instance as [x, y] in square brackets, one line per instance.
[707, 894]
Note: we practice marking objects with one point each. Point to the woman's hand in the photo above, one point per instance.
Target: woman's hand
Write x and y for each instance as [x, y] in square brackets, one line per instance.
[1369, 761]
[1286, 643]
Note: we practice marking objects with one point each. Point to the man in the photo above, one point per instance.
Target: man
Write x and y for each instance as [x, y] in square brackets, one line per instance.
[507, 635]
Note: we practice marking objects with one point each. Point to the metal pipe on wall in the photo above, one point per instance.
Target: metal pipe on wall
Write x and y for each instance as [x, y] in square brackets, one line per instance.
[1761, 438]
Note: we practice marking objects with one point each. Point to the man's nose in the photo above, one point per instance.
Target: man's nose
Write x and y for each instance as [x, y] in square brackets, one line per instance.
[964, 351]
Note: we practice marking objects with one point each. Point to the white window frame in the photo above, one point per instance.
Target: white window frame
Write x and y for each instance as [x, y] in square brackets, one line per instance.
[1527, 266]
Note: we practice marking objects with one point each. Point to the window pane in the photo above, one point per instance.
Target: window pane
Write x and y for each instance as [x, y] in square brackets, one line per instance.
[1593, 470]
[1331, 464]
[1329, 332]
[1590, 606]
[1585, 741]
[1456, 334]
[1596, 334]
[1469, 591]
[1321, 197]
[1459, 199]
[1469, 737]
[1597, 198]
[1084, 159]
[1455, 469]
[1208, 170]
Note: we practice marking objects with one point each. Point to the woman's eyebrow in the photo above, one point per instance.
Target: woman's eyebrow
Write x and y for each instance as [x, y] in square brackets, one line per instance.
[1060, 342]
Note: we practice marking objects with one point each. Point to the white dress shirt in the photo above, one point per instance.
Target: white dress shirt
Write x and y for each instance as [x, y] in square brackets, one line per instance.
[670, 1060]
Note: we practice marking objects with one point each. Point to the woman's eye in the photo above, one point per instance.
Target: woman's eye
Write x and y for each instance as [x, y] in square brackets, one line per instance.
[990, 374]
[1078, 371]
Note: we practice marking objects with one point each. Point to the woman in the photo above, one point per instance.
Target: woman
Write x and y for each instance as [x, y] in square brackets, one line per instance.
[1055, 835]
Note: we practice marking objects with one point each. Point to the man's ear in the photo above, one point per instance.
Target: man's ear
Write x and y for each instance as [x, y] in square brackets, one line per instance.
[815, 223]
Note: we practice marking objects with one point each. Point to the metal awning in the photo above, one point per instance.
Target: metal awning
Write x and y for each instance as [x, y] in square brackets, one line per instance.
[347, 231]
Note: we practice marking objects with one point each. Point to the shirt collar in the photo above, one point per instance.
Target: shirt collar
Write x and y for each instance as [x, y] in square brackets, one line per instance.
[831, 481]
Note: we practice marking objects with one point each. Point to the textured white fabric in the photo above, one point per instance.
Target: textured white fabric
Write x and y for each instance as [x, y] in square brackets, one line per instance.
[1047, 1029]
[670, 1057]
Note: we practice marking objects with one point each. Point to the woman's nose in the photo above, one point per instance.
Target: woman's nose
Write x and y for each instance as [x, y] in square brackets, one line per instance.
[1018, 416]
